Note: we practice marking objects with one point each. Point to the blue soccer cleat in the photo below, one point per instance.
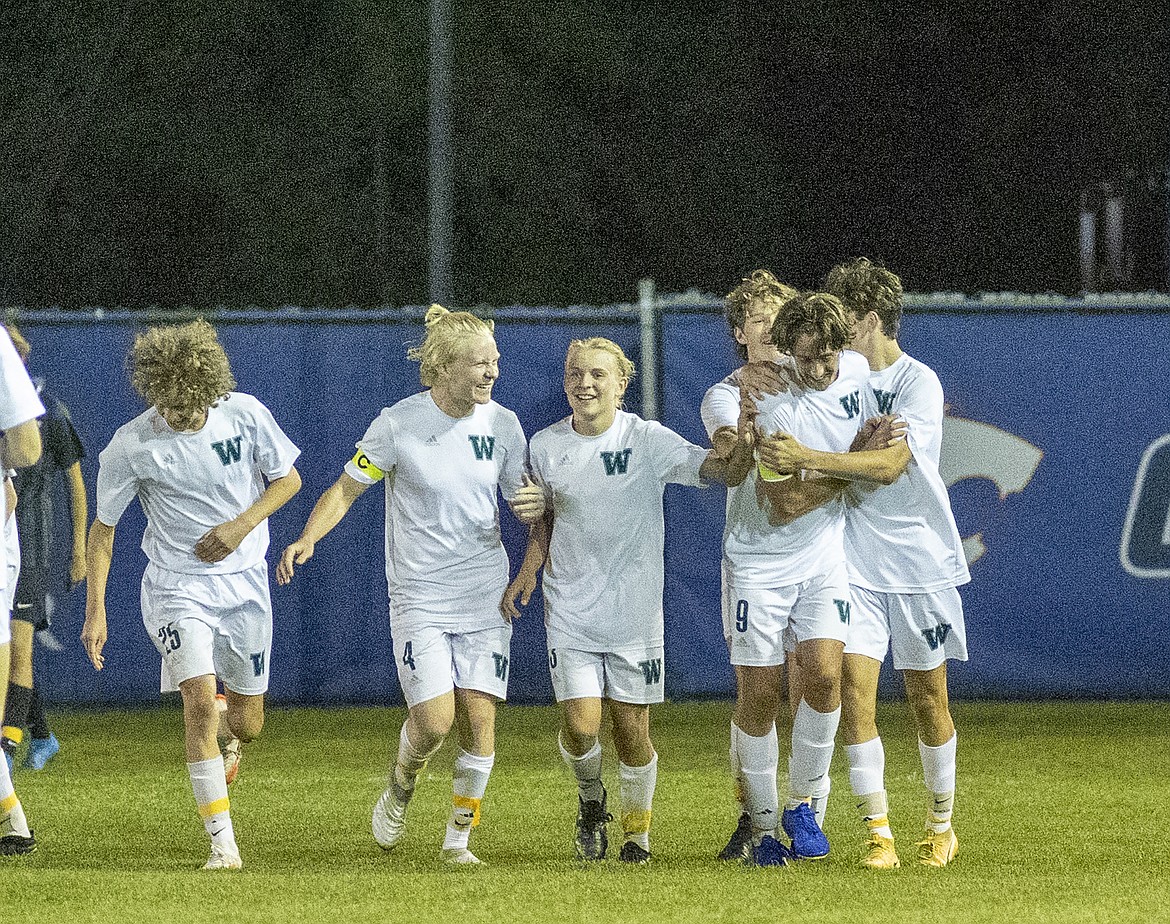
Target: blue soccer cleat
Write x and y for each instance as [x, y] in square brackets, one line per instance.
[41, 751]
[768, 852]
[808, 840]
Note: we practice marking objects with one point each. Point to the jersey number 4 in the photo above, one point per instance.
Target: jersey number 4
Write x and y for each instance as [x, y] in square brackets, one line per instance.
[408, 655]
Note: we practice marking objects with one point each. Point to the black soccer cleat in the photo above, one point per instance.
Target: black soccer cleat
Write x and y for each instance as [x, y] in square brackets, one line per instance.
[14, 845]
[634, 854]
[592, 839]
[739, 846]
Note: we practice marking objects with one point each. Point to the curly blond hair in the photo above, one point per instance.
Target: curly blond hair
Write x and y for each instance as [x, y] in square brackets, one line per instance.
[181, 367]
[759, 285]
[625, 365]
[447, 333]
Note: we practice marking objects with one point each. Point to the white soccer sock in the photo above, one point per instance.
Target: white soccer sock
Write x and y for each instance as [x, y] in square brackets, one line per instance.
[467, 789]
[12, 820]
[938, 772]
[736, 769]
[820, 801]
[637, 789]
[759, 758]
[410, 761]
[867, 778]
[211, 796]
[812, 751]
[587, 770]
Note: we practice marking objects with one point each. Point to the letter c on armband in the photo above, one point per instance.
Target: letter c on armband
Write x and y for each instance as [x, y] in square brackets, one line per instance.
[363, 463]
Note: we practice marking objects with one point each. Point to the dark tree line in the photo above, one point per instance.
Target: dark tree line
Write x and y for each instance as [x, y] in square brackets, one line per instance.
[250, 153]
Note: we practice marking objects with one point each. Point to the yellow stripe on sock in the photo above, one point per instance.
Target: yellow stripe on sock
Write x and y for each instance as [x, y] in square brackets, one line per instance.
[636, 822]
[12, 733]
[8, 803]
[213, 808]
[880, 821]
[468, 805]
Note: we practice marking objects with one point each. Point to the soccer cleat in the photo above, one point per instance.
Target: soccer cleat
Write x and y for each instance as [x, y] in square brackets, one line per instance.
[634, 854]
[592, 838]
[224, 858]
[389, 820]
[16, 845]
[808, 840]
[460, 856]
[41, 751]
[938, 848]
[229, 745]
[740, 843]
[880, 853]
[768, 852]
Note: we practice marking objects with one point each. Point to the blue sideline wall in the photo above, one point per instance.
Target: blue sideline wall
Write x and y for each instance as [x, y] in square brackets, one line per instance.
[1053, 417]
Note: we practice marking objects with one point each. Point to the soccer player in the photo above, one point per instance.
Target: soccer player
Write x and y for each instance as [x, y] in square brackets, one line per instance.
[601, 545]
[905, 564]
[443, 454]
[20, 446]
[209, 466]
[34, 597]
[783, 571]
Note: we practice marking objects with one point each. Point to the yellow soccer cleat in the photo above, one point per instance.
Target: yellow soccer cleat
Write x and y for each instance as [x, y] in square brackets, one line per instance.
[880, 853]
[938, 848]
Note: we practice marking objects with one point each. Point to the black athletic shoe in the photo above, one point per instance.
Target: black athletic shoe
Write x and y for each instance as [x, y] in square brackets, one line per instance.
[632, 853]
[739, 846]
[13, 845]
[592, 839]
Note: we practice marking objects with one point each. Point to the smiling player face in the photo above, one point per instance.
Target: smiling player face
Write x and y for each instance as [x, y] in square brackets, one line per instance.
[756, 332]
[469, 378]
[816, 366]
[594, 388]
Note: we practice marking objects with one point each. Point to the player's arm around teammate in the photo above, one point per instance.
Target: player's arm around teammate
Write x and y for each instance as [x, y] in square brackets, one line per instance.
[209, 466]
[443, 455]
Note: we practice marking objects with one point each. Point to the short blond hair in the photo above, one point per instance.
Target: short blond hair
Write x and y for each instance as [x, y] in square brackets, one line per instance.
[625, 365]
[447, 332]
[181, 367]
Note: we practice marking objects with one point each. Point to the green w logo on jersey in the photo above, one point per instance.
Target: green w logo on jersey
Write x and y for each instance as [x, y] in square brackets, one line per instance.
[484, 446]
[616, 463]
[852, 404]
[885, 400]
[228, 450]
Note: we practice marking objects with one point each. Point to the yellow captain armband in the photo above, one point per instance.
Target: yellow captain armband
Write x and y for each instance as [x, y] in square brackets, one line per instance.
[364, 465]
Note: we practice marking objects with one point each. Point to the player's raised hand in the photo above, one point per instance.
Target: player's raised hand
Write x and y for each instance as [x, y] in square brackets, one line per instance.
[522, 587]
[746, 429]
[887, 431]
[220, 541]
[93, 637]
[765, 378]
[297, 553]
[529, 503]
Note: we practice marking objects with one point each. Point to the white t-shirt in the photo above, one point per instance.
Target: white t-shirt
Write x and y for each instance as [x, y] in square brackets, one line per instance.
[902, 538]
[18, 404]
[442, 514]
[603, 579]
[189, 483]
[756, 553]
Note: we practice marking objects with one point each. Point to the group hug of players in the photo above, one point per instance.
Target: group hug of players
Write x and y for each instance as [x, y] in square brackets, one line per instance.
[839, 545]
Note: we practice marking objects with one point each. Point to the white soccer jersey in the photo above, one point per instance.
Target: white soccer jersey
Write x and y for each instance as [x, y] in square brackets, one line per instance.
[757, 553]
[902, 538]
[442, 515]
[189, 483]
[18, 404]
[603, 579]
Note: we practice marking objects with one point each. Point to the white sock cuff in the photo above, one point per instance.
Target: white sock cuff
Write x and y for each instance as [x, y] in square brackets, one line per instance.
[572, 759]
[867, 766]
[408, 748]
[482, 763]
[938, 765]
[815, 728]
[752, 749]
[625, 771]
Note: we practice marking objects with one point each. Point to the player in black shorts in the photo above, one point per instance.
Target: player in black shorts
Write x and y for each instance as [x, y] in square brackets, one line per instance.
[35, 590]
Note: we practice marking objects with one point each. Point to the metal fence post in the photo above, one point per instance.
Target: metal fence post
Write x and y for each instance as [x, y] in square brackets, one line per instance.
[648, 321]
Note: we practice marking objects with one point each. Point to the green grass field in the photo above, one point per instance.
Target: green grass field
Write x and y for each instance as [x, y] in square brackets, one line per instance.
[1062, 813]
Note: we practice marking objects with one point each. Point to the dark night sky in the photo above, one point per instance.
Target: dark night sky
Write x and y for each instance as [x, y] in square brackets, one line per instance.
[250, 153]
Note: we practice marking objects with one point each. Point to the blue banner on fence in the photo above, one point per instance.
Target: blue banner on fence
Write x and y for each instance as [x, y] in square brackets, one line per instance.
[1057, 448]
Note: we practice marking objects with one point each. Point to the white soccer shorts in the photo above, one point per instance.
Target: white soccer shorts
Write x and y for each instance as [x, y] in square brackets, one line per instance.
[757, 620]
[217, 624]
[433, 660]
[634, 675]
[923, 629]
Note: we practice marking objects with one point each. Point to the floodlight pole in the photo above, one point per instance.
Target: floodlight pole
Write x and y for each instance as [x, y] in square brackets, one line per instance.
[439, 186]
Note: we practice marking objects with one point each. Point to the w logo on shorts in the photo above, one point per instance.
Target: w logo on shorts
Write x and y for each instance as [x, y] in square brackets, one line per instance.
[937, 636]
[843, 610]
[258, 663]
[501, 665]
[651, 670]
